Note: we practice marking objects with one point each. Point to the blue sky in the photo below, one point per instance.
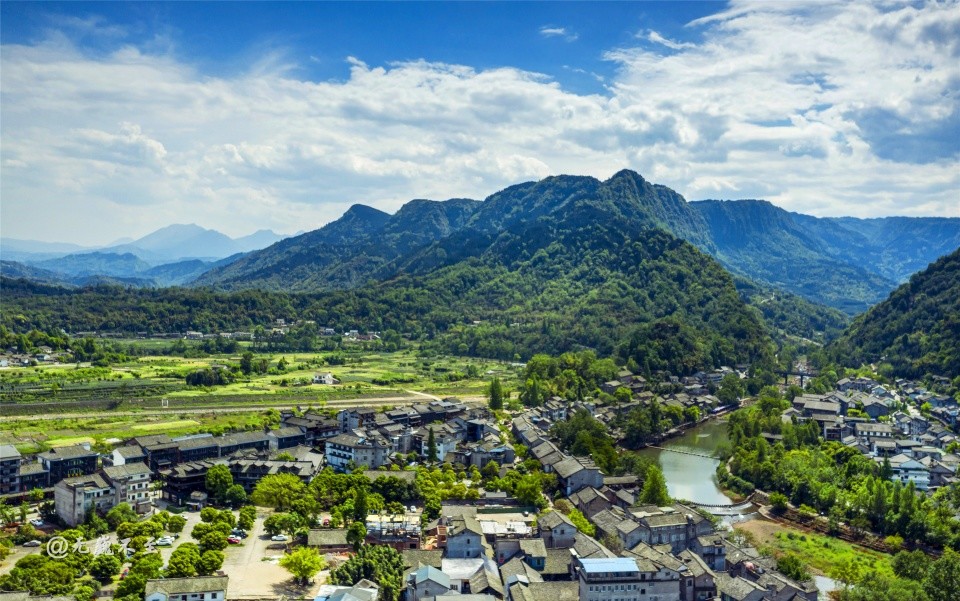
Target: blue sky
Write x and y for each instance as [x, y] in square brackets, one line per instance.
[119, 118]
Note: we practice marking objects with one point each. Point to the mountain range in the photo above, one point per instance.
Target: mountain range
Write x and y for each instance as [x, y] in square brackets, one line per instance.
[845, 263]
[173, 255]
[621, 266]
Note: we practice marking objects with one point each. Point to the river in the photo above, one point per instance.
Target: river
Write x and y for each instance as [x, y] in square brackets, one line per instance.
[691, 477]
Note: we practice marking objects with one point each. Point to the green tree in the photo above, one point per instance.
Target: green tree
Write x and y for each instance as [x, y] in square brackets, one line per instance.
[581, 522]
[176, 523]
[880, 587]
[218, 481]
[304, 563]
[246, 363]
[278, 491]
[183, 561]
[654, 490]
[213, 540]
[912, 565]
[731, 389]
[495, 394]
[104, 567]
[356, 534]
[248, 515]
[120, 513]
[943, 578]
[431, 446]
[360, 509]
[791, 566]
[235, 495]
[210, 561]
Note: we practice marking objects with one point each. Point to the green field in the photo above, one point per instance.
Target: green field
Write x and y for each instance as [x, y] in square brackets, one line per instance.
[100, 400]
[821, 553]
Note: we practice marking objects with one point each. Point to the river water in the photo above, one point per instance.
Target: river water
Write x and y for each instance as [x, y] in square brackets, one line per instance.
[692, 477]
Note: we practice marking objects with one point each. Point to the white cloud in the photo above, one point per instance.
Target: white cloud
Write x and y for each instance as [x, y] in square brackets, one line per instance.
[558, 32]
[656, 38]
[836, 109]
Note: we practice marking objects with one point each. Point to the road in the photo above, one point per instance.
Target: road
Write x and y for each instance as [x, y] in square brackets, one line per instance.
[341, 403]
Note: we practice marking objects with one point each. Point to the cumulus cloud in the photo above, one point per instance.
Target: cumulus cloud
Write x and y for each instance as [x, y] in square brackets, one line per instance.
[827, 109]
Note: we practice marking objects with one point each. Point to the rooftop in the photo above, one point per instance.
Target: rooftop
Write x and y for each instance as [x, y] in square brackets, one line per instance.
[611, 564]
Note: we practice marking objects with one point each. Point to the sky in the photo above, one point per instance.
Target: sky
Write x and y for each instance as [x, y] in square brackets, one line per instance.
[117, 119]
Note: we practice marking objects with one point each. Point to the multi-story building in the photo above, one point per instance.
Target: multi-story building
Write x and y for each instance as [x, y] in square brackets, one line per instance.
[625, 579]
[76, 496]
[344, 450]
[131, 484]
[65, 462]
[9, 469]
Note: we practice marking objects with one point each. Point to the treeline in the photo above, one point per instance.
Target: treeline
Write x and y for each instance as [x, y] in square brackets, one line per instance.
[831, 479]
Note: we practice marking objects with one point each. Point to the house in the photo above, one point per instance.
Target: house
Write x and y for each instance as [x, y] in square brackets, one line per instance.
[425, 582]
[63, 462]
[9, 469]
[130, 453]
[325, 378]
[328, 540]
[575, 473]
[556, 530]
[464, 538]
[194, 588]
[286, 437]
[76, 496]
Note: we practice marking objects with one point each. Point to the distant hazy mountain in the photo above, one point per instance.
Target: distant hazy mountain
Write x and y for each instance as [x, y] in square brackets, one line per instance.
[13, 269]
[167, 245]
[189, 241]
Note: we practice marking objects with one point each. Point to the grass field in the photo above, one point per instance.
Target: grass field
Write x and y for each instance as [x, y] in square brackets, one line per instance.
[140, 384]
[819, 552]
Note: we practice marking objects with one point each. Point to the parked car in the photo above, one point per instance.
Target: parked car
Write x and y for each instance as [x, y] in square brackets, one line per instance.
[233, 540]
[239, 532]
[326, 522]
[38, 523]
[281, 538]
[164, 541]
[32, 543]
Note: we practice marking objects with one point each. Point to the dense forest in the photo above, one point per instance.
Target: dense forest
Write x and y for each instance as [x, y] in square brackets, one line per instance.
[916, 330]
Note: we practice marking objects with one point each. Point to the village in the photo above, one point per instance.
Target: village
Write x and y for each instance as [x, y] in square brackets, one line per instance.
[486, 545]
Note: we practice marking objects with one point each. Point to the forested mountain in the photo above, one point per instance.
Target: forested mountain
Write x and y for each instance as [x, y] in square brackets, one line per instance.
[916, 330]
[845, 263]
[584, 267]
[804, 255]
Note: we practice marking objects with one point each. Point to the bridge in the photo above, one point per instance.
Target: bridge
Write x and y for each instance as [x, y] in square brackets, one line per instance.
[802, 374]
[681, 452]
[727, 508]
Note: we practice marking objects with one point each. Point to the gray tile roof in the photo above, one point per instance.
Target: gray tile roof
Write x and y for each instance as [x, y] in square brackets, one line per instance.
[195, 584]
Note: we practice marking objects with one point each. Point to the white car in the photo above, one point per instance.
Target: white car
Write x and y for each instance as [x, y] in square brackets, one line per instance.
[280, 538]
[164, 541]
[37, 522]
[32, 543]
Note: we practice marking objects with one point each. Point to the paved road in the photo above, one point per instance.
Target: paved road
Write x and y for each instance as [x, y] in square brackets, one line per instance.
[342, 403]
